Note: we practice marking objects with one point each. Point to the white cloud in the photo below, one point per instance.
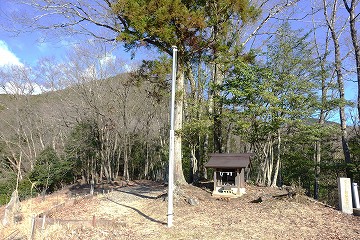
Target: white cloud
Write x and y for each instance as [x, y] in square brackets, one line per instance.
[7, 57]
[106, 60]
[128, 67]
[18, 79]
[22, 88]
[89, 73]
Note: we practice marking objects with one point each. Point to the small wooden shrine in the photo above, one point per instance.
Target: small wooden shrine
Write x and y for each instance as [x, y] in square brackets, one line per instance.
[229, 173]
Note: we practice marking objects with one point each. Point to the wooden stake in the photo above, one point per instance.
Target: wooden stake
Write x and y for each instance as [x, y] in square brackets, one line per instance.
[43, 222]
[32, 231]
[94, 221]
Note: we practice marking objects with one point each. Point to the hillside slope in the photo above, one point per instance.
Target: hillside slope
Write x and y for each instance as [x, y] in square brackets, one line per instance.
[137, 212]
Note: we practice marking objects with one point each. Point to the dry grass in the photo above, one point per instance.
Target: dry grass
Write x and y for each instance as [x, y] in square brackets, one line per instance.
[135, 213]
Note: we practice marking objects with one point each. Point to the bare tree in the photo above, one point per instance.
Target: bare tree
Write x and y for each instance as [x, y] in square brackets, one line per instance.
[100, 92]
[335, 35]
[354, 37]
[22, 129]
[321, 55]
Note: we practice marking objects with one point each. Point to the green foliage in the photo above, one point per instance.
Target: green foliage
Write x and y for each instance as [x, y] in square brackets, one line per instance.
[354, 145]
[195, 128]
[295, 73]
[188, 24]
[273, 98]
[82, 145]
[298, 163]
[137, 156]
[298, 154]
[187, 169]
[265, 96]
[163, 23]
[7, 186]
[49, 171]
[2, 107]
[4, 199]
[26, 190]
[245, 92]
[155, 72]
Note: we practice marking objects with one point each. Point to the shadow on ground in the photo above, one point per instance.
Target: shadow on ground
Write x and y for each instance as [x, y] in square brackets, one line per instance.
[138, 211]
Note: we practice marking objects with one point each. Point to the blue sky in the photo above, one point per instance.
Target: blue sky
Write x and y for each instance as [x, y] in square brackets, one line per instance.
[25, 48]
[28, 48]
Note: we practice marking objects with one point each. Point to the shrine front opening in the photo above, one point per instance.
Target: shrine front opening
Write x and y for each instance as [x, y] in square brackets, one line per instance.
[229, 173]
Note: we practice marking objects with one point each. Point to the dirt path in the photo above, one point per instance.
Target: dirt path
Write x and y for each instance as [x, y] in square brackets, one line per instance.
[136, 212]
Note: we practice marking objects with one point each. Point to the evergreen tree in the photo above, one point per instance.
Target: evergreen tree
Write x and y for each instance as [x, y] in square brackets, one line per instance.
[189, 25]
[50, 171]
[82, 151]
[273, 95]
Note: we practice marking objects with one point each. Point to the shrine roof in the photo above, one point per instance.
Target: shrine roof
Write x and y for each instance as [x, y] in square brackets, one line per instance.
[229, 160]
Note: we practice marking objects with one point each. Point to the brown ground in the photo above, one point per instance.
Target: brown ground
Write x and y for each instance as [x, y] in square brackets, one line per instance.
[135, 212]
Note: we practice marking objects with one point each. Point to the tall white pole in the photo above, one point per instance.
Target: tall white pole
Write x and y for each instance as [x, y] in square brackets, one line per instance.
[171, 143]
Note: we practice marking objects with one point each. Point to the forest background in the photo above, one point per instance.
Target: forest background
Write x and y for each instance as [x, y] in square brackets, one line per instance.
[267, 77]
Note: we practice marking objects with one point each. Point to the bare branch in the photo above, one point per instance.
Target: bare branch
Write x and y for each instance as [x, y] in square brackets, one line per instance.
[276, 10]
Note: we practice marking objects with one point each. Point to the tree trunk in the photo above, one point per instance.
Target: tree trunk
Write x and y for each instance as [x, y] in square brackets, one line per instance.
[317, 168]
[194, 165]
[126, 161]
[101, 175]
[324, 90]
[318, 142]
[228, 138]
[106, 172]
[118, 163]
[340, 81]
[264, 164]
[353, 32]
[270, 163]
[344, 135]
[278, 159]
[217, 80]
[179, 101]
[205, 156]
